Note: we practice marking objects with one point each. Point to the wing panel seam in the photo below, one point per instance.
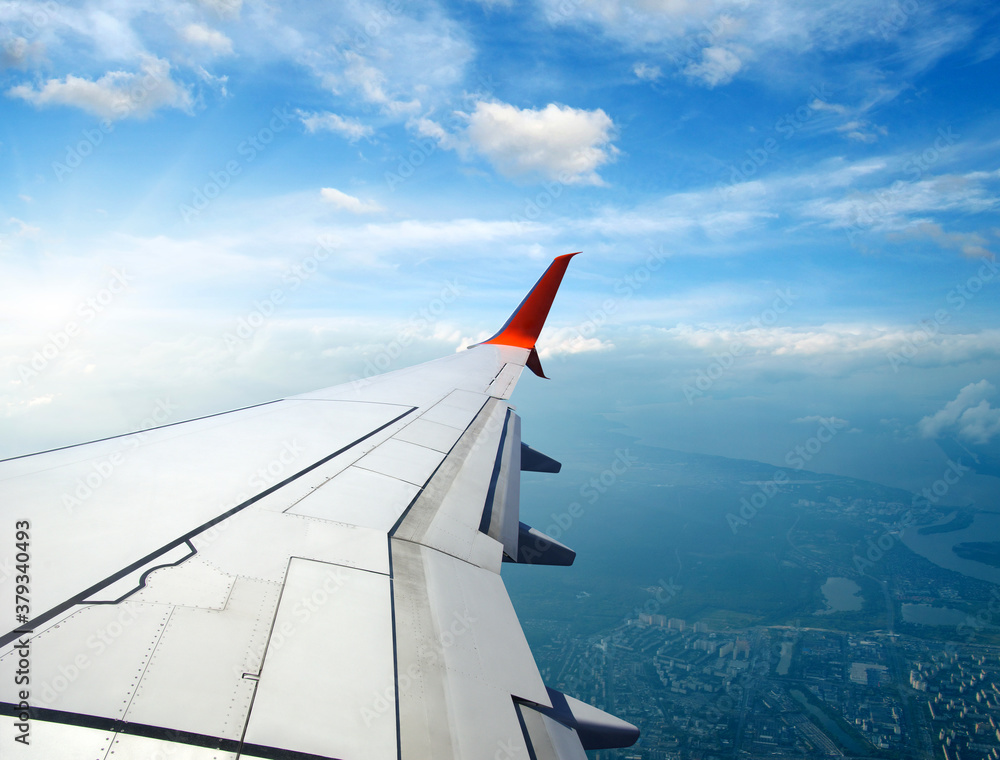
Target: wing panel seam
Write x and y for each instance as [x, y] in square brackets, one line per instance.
[79, 598]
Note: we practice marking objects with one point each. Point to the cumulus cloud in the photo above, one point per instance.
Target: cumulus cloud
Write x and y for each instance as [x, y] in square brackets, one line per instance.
[347, 202]
[969, 415]
[212, 39]
[116, 95]
[352, 129]
[555, 142]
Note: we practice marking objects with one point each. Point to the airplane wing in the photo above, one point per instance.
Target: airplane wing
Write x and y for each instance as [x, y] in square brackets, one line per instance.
[313, 577]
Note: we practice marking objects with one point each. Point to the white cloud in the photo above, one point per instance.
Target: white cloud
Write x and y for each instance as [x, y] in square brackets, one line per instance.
[366, 78]
[893, 206]
[821, 105]
[224, 8]
[218, 82]
[374, 85]
[12, 406]
[776, 43]
[429, 128]
[718, 65]
[835, 421]
[861, 130]
[562, 341]
[569, 340]
[203, 36]
[837, 347]
[556, 142]
[969, 415]
[350, 128]
[349, 202]
[647, 72]
[970, 244]
[116, 95]
[24, 229]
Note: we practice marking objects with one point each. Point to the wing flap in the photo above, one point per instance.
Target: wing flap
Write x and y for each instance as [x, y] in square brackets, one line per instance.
[549, 739]
[329, 657]
[461, 656]
[449, 513]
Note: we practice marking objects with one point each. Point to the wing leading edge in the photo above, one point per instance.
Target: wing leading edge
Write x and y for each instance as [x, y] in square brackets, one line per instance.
[316, 577]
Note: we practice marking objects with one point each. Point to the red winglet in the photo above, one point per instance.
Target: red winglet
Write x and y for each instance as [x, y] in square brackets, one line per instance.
[526, 322]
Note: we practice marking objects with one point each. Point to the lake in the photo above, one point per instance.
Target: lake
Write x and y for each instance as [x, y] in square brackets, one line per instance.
[841, 595]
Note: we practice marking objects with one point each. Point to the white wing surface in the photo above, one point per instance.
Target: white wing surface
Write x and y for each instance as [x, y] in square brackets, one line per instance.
[314, 577]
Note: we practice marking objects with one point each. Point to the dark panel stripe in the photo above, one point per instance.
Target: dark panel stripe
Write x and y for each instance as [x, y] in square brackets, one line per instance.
[402, 517]
[79, 598]
[159, 732]
[145, 575]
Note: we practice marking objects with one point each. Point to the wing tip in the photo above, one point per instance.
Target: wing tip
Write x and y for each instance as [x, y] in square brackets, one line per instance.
[521, 330]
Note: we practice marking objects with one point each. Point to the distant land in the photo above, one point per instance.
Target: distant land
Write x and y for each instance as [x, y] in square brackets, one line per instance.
[987, 552]
[733, 608]
[960, 521]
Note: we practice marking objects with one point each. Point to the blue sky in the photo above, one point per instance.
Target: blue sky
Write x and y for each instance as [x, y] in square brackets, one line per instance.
[787, 213]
